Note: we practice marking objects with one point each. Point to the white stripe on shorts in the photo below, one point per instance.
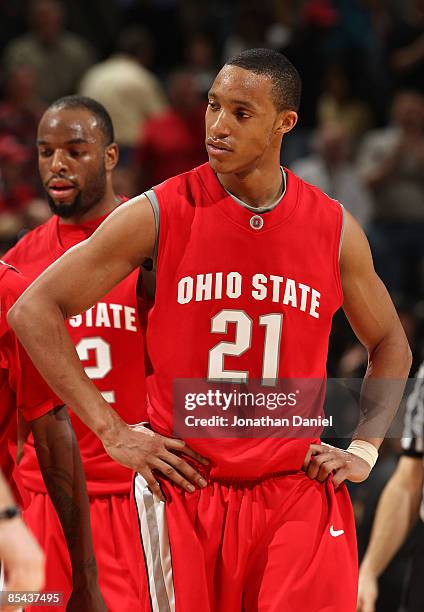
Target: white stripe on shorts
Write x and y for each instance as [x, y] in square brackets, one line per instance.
[157, 550]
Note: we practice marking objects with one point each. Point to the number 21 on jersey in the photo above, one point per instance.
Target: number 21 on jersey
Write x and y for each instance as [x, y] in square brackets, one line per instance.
[273, 324]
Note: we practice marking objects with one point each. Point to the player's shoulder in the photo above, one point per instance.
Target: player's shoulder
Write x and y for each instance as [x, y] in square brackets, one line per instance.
[30, 242]
[12, 282]
[309, 193]
[185, 178]
[185, 185]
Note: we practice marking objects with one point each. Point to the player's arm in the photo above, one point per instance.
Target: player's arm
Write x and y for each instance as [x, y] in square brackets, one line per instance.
[63, 474]
[374, 320]
[396, 514]
[21, 555]
[71, 285]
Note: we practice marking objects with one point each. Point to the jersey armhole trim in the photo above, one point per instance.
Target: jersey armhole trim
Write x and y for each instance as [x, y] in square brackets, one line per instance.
[151, 196]
[337, 251]
[343, 227]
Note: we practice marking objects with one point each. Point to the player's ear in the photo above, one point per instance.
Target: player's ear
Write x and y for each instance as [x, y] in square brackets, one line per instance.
[286, 121]
[111, 156]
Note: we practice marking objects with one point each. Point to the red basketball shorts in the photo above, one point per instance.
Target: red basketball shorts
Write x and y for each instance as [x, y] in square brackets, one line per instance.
[284, 544]
[114, 548]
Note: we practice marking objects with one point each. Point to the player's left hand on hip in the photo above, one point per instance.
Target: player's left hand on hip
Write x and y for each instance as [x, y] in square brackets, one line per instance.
[321, 461]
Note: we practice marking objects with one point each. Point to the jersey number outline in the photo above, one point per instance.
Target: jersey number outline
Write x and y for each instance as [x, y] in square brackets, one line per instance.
[103, 365]
[273, 324]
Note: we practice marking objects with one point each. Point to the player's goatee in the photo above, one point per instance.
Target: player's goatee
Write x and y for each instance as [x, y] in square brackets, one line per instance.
[65, 211]
[86, 199]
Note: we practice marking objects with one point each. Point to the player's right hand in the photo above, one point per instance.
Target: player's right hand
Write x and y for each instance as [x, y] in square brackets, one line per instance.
[22, 557]
[367, 591]
[143, 451]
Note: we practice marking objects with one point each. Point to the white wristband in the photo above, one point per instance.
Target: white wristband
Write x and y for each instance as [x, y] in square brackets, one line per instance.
[364, 450]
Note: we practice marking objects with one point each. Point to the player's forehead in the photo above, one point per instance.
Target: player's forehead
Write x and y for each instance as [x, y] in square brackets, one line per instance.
[233, 83]
[69, 125]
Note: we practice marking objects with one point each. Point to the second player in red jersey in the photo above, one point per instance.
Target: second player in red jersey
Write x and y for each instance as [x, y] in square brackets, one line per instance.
[76, 159]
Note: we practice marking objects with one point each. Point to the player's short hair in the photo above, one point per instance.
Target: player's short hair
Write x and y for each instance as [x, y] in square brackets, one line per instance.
[286, 81]
[93, 107]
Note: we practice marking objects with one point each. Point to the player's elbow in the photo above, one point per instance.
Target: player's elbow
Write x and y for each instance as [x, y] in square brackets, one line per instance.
[403, 350]
[406, 355]
[405, 359]
[20, 314]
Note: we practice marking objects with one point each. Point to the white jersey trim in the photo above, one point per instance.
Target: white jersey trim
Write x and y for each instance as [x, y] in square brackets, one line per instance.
[157, 551]
[343, 226]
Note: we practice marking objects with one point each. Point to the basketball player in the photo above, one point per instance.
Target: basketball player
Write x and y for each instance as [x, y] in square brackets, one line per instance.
[251, 264]
[23, 390]
[401, 505]
[77, 155]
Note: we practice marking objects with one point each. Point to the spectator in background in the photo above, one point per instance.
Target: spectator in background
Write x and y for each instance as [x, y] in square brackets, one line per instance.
[313, 23]
[20, 108]
[58, 57]
[252, 21]
[391, 162]
[330, 169]
[10, 225]
[20, 111]
[15, 192]
[173, 141]
[200, 59]
[337, 103]
[405, 48]
[126, 87]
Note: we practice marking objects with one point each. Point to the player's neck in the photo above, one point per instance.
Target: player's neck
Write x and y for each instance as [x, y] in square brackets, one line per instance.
[108, 203]
[258, 188]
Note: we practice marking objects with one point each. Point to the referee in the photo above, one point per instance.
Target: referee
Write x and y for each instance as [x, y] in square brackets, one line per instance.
[400, 506]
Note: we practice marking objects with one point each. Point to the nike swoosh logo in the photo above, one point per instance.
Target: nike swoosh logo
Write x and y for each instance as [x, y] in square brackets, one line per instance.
[336, 532]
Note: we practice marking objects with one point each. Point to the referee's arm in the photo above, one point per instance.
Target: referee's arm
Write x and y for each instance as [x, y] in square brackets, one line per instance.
[399, 504]
[396, 514]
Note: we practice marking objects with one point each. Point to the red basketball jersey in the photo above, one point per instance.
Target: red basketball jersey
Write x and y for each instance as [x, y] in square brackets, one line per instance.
[109, 344]
[238, 292]
[21, 387]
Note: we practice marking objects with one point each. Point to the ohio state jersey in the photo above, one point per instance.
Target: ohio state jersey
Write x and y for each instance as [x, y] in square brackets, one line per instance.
[21, 387]
[241, 293]
[110, 346]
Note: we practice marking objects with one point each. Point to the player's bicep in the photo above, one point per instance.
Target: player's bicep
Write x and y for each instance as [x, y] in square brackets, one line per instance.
[367, 303]
[93, 267]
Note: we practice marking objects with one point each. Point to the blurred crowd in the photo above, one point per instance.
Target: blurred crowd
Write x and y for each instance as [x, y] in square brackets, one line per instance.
[360, 136]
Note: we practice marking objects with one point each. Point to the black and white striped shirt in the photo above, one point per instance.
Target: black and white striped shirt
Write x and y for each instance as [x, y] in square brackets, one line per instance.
[413, 429]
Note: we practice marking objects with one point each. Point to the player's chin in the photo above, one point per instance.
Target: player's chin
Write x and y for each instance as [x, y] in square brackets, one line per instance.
[221, 166]
[63, 199]
[63, 207]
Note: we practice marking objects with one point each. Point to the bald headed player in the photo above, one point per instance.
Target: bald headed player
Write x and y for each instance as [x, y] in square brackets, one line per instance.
[252, 263]
[77, 155]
